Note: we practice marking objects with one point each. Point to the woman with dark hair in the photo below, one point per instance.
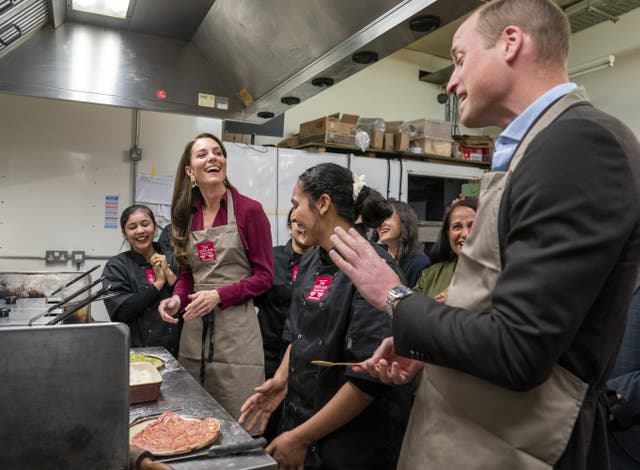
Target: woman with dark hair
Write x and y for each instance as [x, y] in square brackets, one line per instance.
[142, 277]
[332, 417]
[222, 241]
[456, 226]
[274, 305]
[400, 235]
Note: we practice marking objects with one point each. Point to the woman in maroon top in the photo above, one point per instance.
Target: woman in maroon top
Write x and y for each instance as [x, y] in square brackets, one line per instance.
[222, 241]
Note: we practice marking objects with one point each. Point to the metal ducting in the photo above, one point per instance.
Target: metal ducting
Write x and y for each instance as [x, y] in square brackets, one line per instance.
[231, 59]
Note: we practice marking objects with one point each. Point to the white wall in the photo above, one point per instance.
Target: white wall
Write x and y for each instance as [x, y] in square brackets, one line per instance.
[614, 90]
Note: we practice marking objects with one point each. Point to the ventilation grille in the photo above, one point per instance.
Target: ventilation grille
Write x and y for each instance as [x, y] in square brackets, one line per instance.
[18, 19]
[587, 13]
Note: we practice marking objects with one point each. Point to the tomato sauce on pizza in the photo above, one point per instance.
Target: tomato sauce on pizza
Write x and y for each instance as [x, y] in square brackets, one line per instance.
[172, 434]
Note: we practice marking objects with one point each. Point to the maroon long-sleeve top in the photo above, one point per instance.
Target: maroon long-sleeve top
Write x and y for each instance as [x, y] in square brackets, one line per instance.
[255, 233]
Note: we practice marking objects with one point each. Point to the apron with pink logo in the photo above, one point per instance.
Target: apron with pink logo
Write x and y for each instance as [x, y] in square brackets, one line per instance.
[223, 348]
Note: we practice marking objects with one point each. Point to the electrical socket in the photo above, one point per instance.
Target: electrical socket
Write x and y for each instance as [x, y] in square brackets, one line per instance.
[56, 257]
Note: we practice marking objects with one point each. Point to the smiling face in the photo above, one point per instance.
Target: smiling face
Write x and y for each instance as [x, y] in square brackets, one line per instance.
[306, 217]
[477, 78]
[299, 238]
[207, 162]
[390, 230]
[139, 231]
[460, 224]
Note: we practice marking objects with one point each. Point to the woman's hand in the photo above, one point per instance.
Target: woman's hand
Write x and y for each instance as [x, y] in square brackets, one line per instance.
[262, 404]
[168, 308]
[288, 450]
[442, 296]
[159, 260]
[388, 366]
[161, 277]
[202, 302]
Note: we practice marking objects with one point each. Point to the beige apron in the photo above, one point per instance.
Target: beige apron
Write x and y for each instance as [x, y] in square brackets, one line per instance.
[459, 421]
[233, 358]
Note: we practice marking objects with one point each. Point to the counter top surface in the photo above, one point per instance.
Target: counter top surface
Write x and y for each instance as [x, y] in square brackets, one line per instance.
[181, 391]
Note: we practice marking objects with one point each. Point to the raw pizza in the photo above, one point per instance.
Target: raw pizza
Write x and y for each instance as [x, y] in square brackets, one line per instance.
[171, 434]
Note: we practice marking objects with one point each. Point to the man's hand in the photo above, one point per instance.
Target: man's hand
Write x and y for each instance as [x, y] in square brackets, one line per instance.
[202, 302]
[288, 450]
[262, 404]
[371, 275]
[389, 367]
[168, 308]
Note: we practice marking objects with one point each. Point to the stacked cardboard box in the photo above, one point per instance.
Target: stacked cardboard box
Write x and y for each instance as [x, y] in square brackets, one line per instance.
[237, 138]
[331, 129]
[477, 148]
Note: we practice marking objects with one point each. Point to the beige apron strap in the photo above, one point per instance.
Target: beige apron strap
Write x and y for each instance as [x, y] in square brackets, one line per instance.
[579, 95]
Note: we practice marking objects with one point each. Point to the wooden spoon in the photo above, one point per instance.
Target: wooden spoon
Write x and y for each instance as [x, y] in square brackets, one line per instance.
[331, 364]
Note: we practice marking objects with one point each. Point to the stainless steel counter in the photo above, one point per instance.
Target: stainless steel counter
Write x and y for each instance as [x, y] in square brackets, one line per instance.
[180, 390]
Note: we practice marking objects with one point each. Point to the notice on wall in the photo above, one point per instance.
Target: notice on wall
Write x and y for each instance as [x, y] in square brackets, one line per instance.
[154, 189]
[111, 212]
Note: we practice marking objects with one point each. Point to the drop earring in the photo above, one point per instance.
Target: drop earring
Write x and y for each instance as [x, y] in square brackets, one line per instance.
[194, 183]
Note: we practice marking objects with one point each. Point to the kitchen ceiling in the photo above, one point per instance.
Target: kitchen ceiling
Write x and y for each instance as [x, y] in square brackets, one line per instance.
[244, 60]
[231, 59]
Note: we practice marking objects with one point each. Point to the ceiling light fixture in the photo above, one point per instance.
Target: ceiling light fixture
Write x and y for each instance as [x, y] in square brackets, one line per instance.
[424, 24]
[365, 57]
[290, 100]
[592, 66]
[116, 8]
[265, 114]
[323, 82]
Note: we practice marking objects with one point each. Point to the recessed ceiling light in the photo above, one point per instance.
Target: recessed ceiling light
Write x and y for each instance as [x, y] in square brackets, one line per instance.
[115, 8]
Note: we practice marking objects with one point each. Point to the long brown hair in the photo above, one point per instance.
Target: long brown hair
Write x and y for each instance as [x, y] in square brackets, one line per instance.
[184, 196]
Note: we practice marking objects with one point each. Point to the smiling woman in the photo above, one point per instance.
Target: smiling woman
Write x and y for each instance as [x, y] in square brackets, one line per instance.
[331, 414]
[142, 277]
[222, 241]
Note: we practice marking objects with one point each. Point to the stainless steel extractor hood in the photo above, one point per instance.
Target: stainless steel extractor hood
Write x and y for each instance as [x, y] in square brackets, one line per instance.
[244, 60]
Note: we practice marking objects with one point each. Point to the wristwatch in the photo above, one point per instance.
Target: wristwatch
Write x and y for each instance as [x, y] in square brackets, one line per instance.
[396, 293]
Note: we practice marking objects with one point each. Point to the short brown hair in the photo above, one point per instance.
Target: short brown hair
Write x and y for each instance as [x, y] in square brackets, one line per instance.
[543, 20]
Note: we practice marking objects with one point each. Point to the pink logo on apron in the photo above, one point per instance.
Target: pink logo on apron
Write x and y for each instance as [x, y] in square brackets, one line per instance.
[206, 252]
[320, 288]
[151, 276]
[294, 273]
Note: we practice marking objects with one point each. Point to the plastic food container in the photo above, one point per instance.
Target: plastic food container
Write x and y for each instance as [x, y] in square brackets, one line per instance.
[144, 382]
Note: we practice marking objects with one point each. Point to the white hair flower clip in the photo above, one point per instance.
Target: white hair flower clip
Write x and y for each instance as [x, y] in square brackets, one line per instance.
[358, 184]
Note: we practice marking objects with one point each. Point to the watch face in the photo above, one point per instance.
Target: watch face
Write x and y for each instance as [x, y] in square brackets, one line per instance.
[401, 292]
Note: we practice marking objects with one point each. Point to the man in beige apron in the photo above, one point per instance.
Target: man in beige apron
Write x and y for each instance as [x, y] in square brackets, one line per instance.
[544, 278]
[224, 347]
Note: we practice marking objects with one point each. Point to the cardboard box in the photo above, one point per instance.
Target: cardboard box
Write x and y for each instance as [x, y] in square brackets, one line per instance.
[388, 141]
[441, 148]
[330, 130]
[237, 138]
[290, 142]
[401, 141]
[431, 129]
[377, 140]
[478, 148]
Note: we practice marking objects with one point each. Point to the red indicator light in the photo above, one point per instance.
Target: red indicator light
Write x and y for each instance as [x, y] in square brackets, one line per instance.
[161, 94]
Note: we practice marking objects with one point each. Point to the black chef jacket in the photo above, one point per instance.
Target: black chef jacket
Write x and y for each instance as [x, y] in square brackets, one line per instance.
[273, 306]
[330, 320]
[138, 300]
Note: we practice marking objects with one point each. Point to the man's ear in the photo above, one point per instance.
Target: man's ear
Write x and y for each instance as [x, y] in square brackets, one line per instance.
[512, 41]
[323, 203]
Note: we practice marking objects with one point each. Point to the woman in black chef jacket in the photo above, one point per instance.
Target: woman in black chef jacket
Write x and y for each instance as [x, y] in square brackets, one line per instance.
[332, 417]
[142, 277]
[274, 305]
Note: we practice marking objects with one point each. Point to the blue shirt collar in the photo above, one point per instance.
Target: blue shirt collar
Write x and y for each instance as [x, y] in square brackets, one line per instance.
[519, 126]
